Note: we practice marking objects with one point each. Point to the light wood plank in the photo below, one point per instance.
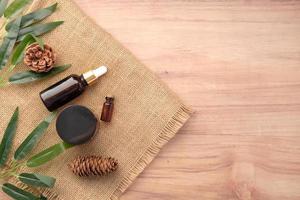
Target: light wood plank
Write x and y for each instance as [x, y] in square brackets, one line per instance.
[237, 63]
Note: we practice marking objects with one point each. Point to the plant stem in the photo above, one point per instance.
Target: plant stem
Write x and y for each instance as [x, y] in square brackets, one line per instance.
[3, 24]
[18, 166]
[30, 7]
[12, 171]
[8, 71]
[2, 29]
[2, 82]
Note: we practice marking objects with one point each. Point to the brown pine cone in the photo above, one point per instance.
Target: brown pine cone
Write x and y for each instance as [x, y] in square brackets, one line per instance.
[93, 165]
[39, 60]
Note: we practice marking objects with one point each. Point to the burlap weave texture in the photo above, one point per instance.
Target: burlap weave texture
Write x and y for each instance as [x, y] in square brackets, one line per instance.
[147, 114]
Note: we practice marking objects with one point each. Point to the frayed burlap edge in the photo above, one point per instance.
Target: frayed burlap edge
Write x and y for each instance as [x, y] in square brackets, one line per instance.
[168, 133]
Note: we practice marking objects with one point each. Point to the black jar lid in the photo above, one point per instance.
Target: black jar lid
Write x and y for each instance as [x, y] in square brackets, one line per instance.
[76, 124]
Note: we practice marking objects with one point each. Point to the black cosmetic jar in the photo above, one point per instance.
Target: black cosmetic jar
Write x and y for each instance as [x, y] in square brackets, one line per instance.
[76, 124]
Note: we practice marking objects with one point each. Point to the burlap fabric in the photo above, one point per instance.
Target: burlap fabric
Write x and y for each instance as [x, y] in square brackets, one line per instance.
[147, 114]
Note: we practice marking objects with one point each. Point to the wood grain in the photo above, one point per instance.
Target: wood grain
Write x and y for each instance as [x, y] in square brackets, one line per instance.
[237, 63]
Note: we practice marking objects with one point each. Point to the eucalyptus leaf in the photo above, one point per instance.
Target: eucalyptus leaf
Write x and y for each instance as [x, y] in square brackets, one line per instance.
[5, 50]
[38, 29]
[18, 53]
[17, 193]
[3, 4]
[30, 76]
[48, 154]
[38, 40]
[9, 43]
[37, 180]
[9, 134]
[33, 138]
[35, 16]
[16, 7]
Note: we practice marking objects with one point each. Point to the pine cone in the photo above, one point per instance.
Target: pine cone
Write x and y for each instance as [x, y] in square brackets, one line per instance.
[93, 165]
[39, 60]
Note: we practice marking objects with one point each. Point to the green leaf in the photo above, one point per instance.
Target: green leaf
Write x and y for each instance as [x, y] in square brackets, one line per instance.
[5, 50]
[9, 134]
[9, 43]
[33, 138]
[48, 154]
[37, 180]
[17, 193]
[3, 4]
[38, 40]
[35, 16]
[38, 29]
[16, 7]
[18, 53]
[30, 76]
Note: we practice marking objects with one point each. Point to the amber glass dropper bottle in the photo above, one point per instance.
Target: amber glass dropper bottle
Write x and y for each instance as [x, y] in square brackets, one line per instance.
[69, 88]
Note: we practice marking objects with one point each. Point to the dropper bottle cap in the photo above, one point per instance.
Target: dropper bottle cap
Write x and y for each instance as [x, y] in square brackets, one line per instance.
[92, 75]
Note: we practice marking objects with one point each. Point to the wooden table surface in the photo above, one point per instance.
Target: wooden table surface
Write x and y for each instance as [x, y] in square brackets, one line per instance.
[237, 64]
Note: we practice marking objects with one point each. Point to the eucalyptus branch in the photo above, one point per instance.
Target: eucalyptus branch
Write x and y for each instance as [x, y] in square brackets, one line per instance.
[19, 28]
[15, 166]
[19, 22]
[20, 159]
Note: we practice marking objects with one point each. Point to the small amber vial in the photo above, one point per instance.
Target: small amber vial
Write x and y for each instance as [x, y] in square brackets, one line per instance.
[107, 109]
